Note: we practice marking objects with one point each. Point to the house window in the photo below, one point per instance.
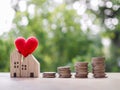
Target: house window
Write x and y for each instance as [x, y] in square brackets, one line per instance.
[31, 74]
[14, 75]
[16, 64]
[24, 67]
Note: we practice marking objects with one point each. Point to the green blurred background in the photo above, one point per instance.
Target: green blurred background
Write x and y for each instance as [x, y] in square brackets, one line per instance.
[68, 31]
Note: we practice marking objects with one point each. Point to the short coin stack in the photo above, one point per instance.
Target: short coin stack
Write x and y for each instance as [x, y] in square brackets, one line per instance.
[98, 67]
[64, 72]
[49, 75]
[81, 69]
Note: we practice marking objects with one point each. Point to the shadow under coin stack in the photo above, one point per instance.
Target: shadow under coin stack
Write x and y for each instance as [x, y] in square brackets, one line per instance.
[98, 67]
[81, 69]
[64, 72]
[49, 75]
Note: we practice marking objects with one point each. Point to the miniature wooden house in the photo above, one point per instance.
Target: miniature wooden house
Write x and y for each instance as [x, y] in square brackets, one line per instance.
[27, 67]
[15, 64]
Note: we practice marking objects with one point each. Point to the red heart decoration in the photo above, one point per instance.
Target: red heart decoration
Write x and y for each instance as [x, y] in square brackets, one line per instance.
[26, 47]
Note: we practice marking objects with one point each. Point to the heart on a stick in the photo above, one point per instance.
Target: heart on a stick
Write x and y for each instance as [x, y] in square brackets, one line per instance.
[26, 47]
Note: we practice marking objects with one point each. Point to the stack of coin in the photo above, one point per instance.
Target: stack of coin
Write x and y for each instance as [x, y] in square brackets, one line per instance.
[98, 67]
[64, 72]
[49, 75]
[81, 69]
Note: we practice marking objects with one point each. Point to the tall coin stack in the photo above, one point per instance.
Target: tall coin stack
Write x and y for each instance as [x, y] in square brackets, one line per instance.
[98, 67]
[64, 72]
[81, 69]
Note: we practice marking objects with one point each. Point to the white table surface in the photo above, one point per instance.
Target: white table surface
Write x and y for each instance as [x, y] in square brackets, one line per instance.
[90, 83]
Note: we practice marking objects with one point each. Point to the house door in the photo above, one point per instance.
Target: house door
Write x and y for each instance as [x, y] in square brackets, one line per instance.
[32, 74]
[14, 75]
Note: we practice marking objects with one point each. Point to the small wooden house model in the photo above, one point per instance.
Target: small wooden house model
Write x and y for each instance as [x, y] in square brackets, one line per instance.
[23, 67]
